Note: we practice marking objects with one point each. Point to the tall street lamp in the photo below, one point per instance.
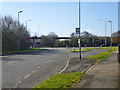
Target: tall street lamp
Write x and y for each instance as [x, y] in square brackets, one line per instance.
[18, 32]
[26, 23]
[79, 33]
[105, 30]
[111, 34]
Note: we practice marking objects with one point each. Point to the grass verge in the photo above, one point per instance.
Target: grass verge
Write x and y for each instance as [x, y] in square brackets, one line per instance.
[109, 48]
[64, 80]
[21, 51]
[82, 50]
[103, 55]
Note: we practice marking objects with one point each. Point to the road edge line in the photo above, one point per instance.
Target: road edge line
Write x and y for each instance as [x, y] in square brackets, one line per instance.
[88, 68]
[65, 67]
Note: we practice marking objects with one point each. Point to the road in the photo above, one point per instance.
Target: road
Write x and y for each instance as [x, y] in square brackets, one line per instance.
[28, 70]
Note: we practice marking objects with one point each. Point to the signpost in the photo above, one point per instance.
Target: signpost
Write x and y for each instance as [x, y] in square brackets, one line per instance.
[119, 53]
[78, 32]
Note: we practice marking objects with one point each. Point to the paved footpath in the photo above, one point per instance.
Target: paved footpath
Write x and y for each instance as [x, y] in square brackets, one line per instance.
[101, 75]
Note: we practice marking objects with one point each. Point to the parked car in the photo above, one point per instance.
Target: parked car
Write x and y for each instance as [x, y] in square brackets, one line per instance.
[102, 45]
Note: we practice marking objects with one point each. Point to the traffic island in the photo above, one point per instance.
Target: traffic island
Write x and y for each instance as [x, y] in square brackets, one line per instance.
[65, 80]
[77, 65]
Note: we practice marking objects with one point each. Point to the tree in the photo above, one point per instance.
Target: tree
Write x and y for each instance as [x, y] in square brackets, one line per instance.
[116, 37]
[9, 30]
[48, 40]
[87, 40]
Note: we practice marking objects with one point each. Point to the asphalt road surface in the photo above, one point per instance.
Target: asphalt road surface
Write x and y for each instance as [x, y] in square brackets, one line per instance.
[28, 70]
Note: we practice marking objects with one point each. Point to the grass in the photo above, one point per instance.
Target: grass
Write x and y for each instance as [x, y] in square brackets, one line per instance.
[21, 51]
[64, 80]
[82, 50]
[109, 48]
[103, 55]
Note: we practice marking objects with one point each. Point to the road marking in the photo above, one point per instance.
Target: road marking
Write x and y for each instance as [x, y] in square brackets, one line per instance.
[3, 56]
[46, 62]
[18, 82]
[27, 76]
[65, 66]
[39, 67]
[86, 64]
[11, 62]
[33, 71]
[89, 69]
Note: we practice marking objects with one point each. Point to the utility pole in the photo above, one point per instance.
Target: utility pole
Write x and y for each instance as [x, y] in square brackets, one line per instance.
[111, 35]
[105, 30]
[18, 33]
[26, 23]
[38, 30]
[93, 42]
[105, 33]
[79, 34]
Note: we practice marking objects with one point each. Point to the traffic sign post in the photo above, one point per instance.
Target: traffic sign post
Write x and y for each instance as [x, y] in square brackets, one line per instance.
[119, 53]
[77, 30]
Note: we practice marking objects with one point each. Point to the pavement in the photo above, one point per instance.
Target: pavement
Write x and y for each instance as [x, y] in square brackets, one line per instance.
[101, 75]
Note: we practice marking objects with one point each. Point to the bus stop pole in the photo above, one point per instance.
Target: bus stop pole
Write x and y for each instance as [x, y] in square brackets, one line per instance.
[119, 53]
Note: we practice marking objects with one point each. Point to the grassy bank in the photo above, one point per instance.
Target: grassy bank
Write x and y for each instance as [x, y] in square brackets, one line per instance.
[65, 80]
[109, 48]
[82, 50]
[21, 51]
[103, 55]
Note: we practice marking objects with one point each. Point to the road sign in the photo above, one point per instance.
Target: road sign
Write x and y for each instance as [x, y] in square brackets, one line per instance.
[78, 40]
[77, 30]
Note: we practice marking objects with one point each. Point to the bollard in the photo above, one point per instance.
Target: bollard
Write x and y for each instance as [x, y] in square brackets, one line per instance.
[119, 53]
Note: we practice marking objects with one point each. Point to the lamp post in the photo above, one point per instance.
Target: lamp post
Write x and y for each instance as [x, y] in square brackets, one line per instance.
[18, 32]
[105, 30]
[111, 35]
[93, 42]
[79, 33]
[26, 23]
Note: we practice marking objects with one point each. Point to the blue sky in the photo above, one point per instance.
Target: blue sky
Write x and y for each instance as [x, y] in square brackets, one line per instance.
[62, 17]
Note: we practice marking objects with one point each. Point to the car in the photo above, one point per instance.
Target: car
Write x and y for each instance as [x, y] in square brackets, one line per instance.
[102, 45]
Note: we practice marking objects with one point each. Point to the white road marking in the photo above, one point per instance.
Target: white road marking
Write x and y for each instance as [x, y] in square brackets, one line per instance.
[48, 61]
[65, 66]
[9, 57]
[33, 71]
[3, 56]
[39, 67]
[11, 62]
[27, 76]
[18, 82]
[89, 69]
[86, 64]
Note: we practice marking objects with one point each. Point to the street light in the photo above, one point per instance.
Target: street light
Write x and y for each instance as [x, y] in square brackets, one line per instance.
[105, 30]
[79, 33]
[18, 31]
[26, 23]
[111, 34]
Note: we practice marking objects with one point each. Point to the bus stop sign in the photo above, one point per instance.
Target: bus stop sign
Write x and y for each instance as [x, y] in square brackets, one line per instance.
[77, 30]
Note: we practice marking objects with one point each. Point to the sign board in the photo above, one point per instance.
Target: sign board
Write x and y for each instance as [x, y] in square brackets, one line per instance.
[77, 30]
[78, 40]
